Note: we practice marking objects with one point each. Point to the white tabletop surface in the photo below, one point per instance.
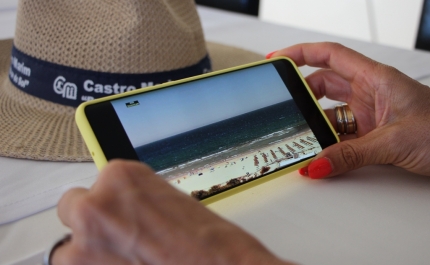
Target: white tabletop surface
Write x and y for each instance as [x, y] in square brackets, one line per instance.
[374, 215]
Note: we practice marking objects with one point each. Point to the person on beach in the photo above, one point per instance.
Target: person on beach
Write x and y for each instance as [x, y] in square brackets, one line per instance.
[130, 215]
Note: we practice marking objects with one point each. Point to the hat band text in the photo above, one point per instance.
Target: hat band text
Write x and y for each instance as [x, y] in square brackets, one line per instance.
[71, 86]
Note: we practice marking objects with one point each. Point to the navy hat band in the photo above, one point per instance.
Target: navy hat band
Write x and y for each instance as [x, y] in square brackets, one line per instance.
[71, 86]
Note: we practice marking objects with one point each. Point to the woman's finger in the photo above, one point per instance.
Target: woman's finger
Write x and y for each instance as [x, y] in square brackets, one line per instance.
[64, 253]
[67, 206]
[70, 253]
[348, 63]
[348, 155]
[327, 83]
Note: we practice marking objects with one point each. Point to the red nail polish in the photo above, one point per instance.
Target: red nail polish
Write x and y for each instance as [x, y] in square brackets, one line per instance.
[320, 168]
[303, 171]
[269, 55]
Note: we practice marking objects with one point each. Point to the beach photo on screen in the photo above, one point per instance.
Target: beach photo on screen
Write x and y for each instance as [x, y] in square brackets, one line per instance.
[214, 134]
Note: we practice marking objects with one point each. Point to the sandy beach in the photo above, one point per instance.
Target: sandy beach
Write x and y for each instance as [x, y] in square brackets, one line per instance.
[219, 175]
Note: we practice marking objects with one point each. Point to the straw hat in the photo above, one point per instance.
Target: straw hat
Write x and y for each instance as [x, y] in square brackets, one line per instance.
[66, 52]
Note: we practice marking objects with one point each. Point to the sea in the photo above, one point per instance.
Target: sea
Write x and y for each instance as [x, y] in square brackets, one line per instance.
[224, 139]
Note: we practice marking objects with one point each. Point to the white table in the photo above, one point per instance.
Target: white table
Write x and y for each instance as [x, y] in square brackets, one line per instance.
[374, 215]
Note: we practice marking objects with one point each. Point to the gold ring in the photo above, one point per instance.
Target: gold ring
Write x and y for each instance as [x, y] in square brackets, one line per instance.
[346, 123]
[48, 254]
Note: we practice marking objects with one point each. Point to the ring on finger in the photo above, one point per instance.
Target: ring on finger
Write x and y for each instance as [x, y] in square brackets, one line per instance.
[346, 123]
[48, 254]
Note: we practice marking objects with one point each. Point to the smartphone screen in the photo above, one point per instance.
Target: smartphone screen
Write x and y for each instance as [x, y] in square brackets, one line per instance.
[212, 134]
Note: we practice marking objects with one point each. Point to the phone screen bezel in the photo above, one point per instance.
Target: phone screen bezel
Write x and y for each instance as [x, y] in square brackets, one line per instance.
[115, 143]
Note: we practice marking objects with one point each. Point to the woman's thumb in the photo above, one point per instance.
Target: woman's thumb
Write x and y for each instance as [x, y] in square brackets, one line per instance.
[348, 155]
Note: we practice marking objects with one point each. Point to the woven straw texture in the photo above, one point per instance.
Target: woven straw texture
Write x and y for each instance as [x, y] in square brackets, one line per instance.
[117, 36]
[34, 128]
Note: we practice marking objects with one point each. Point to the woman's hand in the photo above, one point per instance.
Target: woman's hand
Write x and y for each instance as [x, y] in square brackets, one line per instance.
[392, 110]
[132, 216]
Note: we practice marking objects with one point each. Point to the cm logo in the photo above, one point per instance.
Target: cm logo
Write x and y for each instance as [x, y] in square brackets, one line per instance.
[65, 89]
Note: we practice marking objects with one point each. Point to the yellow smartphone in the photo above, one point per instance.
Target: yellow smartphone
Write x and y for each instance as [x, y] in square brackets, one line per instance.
[214, 134]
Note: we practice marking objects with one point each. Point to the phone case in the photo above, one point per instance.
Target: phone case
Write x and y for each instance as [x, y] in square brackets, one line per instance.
[100, 160]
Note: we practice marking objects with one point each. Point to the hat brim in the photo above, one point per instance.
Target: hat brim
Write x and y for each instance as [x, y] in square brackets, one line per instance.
[33, 128]
[224, 56]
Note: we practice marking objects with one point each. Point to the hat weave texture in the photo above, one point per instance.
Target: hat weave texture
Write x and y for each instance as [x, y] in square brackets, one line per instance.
[121, 38]
[34, 128]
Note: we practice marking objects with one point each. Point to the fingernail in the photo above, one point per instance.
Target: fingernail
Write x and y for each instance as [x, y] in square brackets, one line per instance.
[270, 55]
[320, 168]
[303, 171]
